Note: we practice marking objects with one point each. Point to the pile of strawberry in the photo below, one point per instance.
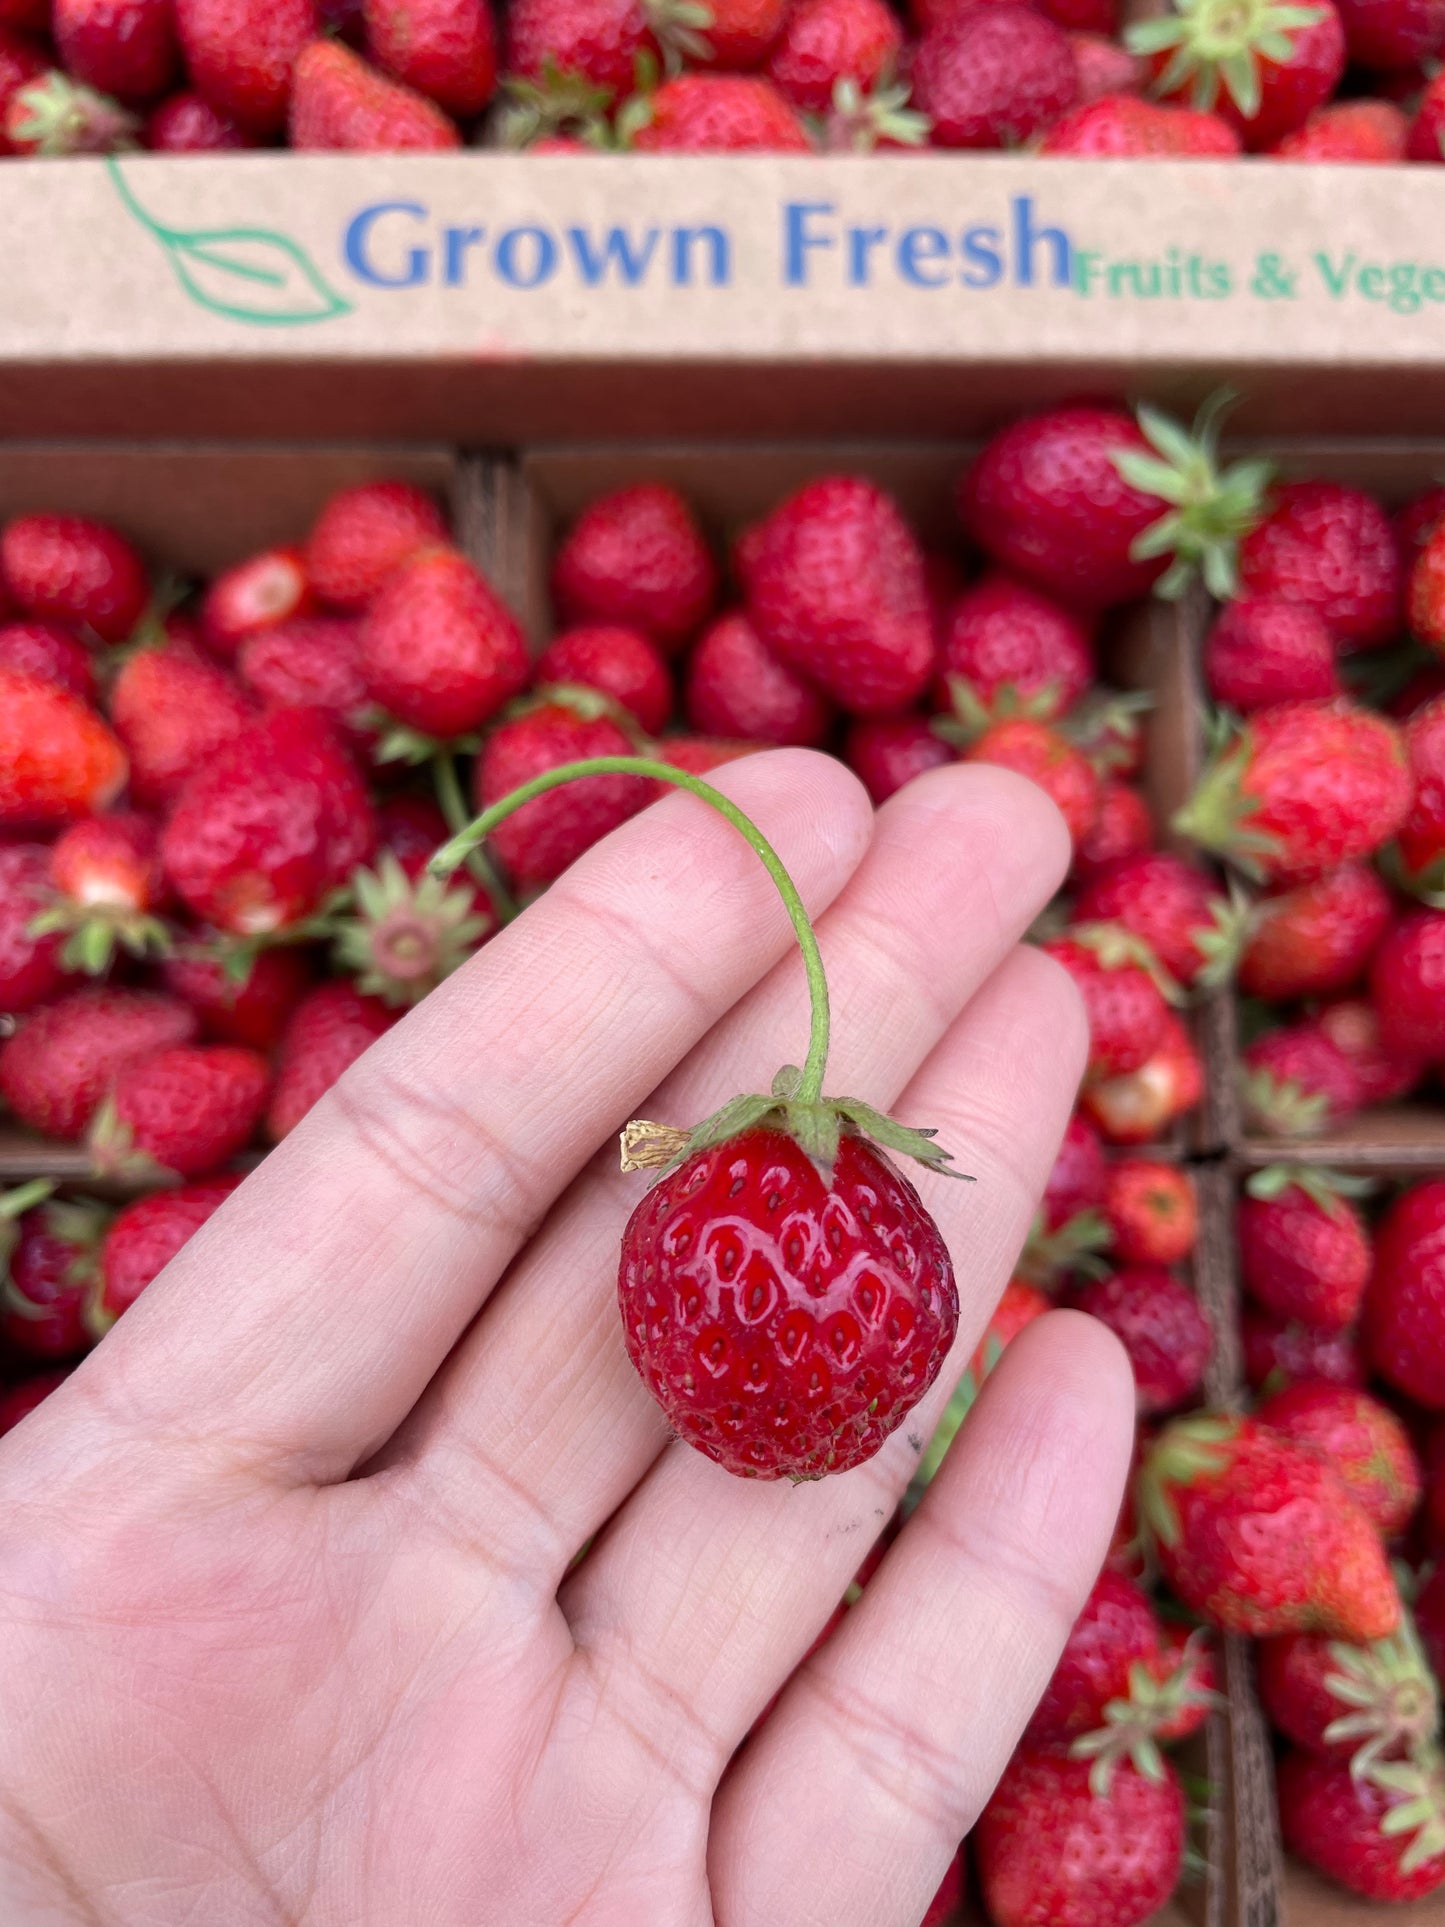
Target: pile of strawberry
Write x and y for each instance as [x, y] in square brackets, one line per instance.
[1327, 80]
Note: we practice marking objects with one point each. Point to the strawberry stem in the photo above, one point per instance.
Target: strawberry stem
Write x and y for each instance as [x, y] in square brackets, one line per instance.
[810, 1085]
[453, 807]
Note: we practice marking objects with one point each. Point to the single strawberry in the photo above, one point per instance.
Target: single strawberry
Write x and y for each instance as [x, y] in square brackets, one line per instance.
[1102, 67]
[1263, 67]
[121, 47]
[1304, 1249]
[49, 1264]
[1015, 649]
[1091, 505]
[405, 935]
[145, 1235]
[187, 124]
[186, 1110]
[1117, 1629]
[276, 820]
[66, 569]
[636, 557]
[255, 595]
[551, 832]
[58, 760]
[1263, 650]
[1362, 1439]
[174, 712]
[1381, 1834]
[240, 996]
[1151, 1210]
[1297, 1083]
[1427, 134]
[31, 967]
[1160, 1324]
[833, 581]
[1118, 978]
[1280, 1352]
[1407, 986]
[54, 116]
[1167, 903]
[445, 49]
[622, 664]
[1301, 789]
[1348, 130]
[1057, 1845]
[725, 35]
[1383, 1075]
[339, 103]
[1405, 1304]
[365, 532]
[827, 43]
[1388, 34]
[1331, 548]
[1312, 939]
[737, 686]
[1122, 828]
[1420, 845]
[19, 1401]
[993, 76]
[440, 650]
[1259, 1536]
[1138, 1107]
[107, 877]
[59, 1065]
[311, 662]
[1049, 759]
[594, 42]
[1117, 126]
[713, 114]
[328, 1030]
[1353, 1705]
[240, 55]
[50, 654]
[886, 752]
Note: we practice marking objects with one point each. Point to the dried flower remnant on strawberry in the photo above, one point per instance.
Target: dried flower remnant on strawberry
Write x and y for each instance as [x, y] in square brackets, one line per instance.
[784, 1294]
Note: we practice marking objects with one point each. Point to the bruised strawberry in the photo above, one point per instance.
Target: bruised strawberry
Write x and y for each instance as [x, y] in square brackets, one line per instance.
[1050, 760]
[441, 652]
[1381, 1834]
[1362, 1439]
[737, 686]
[187, 124]
[1160, 1324]
[1263, 650]
[1405, 1306]
[328, 1030]
[1013, 646]
[1304, 1251]
[186, 1110]
[1332, 549]
[58, 1066]
[58, 760]
[623, 664]
[636, 557]
[548, 834]
[145, 1235]
[1314, 938]
[65, 568]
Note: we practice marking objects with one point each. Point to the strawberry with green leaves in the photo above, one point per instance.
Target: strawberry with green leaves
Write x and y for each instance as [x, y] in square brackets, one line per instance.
[49, 1257]
[1169, 905]
[403, 935]
[1046, 757]
[1263, 65]
[106, 872]
[1297, 1082]
[186, 1110]
[698, 113]
[1304, 1249]
[1014, 650]
[1381, 1834]
[1125, 995]
[1350, 1704]
[623, 664]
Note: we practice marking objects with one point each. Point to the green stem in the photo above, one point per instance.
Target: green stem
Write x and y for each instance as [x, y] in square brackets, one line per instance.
[453, 807]
[810, 1088]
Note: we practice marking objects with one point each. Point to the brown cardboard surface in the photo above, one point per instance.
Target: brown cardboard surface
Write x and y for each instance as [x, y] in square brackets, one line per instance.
[474, 295]
[1308, 1901]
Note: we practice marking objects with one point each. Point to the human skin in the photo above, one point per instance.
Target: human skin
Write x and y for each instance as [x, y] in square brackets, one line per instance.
[290, 1633]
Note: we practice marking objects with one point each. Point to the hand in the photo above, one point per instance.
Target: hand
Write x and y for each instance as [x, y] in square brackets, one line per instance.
[291, 1627]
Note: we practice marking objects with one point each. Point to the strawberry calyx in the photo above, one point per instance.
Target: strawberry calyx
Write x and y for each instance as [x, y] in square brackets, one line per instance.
[1117, 949]
[1209, 507]
[561, 102]
[1133, 1722]
[1217, 815]
[972, 717]
[1107, 726]
[1417, 1808]
[57, 116]
[1220, 44]
[95, 931]
[1391, 1696]
[1321, 1185]
[404, 936]
[1281, 1105]
[111, 1144]
[1186, 1451]
[1222, 941]
[856, 123]
[680, 29]
[1077, 1246]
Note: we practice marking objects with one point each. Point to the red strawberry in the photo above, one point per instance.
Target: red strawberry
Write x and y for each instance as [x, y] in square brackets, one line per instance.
[1263, 650]
[1421, 842]
[993, 76]
[57, 758]
[1138, 1107]
[362, 534]
[273, 823]
[1278, 1352]
[1054, 1852]
[186, 1110]
[1381, 1835]
[174, 712]
[58, 1066]
[1332, 549]
[329, 1029]
[440, 649]
[408, 933]
[249, 1003]
[622, 664]
[1049, 759]
[1123, 828]
[145, 1235]
[1079, 1179]
[833, 581]
[888, 751]
[1314, 938]
[19, 1401]
[1012, 645]
[1364, 1442]
[1297, 1083]
[1233, 63]
[71, 570]
[340, 104]
[1166, 903]
[1417, 521]
[1115, 1631]
[55, 116]
[1405, 1305]
[1259, 1536]
[1349, 130]
[187, 124]
[1349, 1704]
[50, 654]
[595, 41]
[240, 55]
[828, 42]
[121, 47]
[1407, 986]
[254, 596]
[1117, 126]
[546, 835]
[699, 755]
[735, 35]
[1073, 500]
[1187, 1683]
[804, 1361]
[107, 872]
[445, 49]
[1385, 34]
[31, 970]
[1125, 1005]
[1151, 1211]
[23, 62]
[714, 114]
[1383, 1075]
[33, 16]
[311, 662]
[53, 1260]
[1159, 1322]
[636, 557]
[1102, 68]
[1425, 598]
[1304, 1251]
[1301, 789]
[737, 686]
[1427, 130]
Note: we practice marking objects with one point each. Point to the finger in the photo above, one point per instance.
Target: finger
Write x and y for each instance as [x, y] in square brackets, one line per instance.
[959, 865]
[713, 1586]
[901, 1723]
[301, 1325]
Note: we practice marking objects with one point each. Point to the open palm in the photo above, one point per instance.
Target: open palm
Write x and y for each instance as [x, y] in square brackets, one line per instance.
[292, 1624]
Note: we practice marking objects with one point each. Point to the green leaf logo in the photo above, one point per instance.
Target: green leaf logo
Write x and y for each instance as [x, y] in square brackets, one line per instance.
[250, 275]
